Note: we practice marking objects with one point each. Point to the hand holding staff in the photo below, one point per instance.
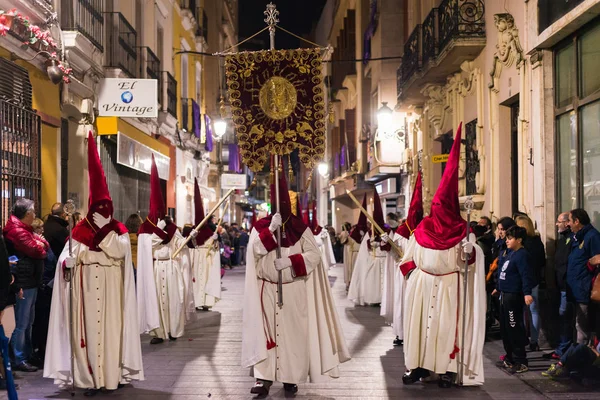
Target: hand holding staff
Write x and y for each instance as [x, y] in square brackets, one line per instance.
[374, 224]
[201, 224]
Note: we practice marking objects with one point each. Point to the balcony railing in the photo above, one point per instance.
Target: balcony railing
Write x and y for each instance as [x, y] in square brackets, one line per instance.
[150, 68]
[456, 27]
[85, 17]
[171, 86]
[121, 40]
[186, 114]
[199, 16]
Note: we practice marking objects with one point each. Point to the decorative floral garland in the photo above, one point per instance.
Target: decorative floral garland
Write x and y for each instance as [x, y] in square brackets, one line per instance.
[38, 37]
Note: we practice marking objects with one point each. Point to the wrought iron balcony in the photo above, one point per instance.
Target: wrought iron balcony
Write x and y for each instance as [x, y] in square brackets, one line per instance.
[85, 17]
[150, 68]
[121, 40]
[186, 114]
[171, 94]
[199, 15]
[450, 34]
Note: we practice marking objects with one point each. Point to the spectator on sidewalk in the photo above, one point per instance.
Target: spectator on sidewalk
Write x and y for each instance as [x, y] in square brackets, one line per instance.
[39, 330]
[585, 245]
[6, 300]
[515, 284]
[56, 229]
[534, 245]
[244, 238]
[561, 259]
[31, 250]
[579, 360]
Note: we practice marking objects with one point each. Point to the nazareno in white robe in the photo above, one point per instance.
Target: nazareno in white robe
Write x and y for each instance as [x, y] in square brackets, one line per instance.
[309, 343]
[393, 288]
[366, 285]
[110, 328]
[433, 311]
[161, 286]
[350, 254]
[206, 261]
[325, 247]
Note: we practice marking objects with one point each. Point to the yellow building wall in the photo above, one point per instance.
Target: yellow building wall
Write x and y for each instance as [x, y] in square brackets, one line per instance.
[180, 33]
[46, 101]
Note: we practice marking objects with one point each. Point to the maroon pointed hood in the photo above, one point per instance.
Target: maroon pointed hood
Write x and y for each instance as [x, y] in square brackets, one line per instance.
[361, 225]
[157, 209]
[314, 223]
[444, 227]
[207, 229]
[415, 212]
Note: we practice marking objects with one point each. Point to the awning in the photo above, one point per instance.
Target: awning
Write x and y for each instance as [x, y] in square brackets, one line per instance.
[114, 125]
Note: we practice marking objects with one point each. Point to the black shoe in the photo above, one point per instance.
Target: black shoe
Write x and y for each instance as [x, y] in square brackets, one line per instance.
[36, 361]
[446, 380]
[398, 341]
[261, 387]
[551, 356]
[171, 338]
[290, 388]
[25, 367]
[91, 392]
[156, 340]
[534, 346]
[413, 376]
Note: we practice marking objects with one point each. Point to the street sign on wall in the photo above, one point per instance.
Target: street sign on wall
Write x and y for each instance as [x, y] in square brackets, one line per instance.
[128, 98]
[440, 158]
[233, 181]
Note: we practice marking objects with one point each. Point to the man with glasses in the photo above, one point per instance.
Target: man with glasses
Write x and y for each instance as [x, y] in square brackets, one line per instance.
[561, 260]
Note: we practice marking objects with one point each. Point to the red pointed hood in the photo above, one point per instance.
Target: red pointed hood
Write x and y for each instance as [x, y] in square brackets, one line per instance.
[314, 223]
[305, 215]
[207, 229]
[157, 202]
[444, 228]
[415, 212]
[361, 225]
[86, 231]
[378, 213]
[97, 180]
[293, 228]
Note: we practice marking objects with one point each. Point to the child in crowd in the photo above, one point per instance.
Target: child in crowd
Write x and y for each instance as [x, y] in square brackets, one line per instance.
[515, 283]
[578, 361]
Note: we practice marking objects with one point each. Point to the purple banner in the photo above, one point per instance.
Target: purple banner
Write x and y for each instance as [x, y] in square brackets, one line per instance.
[196, 119]
[234, 158]
[208, 146]
[343, 157]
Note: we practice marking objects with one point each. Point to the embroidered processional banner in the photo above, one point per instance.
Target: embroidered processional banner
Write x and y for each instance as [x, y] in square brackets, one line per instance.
[277, 104]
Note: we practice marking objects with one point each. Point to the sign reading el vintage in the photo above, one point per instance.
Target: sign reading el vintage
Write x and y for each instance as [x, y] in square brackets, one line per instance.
[233, 181]
[440, 158]
[128, 98]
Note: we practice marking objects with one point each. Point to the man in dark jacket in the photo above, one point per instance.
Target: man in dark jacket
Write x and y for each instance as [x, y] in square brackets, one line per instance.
[561, 260]
[56, 229]
[30, 249]
[585, 245]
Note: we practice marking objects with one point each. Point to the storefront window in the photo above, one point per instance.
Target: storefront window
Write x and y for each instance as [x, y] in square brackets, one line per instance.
[577, 112]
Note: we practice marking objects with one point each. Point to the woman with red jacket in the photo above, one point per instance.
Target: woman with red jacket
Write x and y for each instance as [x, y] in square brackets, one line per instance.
[30, 249]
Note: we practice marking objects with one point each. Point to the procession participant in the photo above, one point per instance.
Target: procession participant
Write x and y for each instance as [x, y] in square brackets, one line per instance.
[302, 339]
[366, 285]
[352, 244]
[434, 267]
[394, 283]
[322, 238]
[161, 285]
[104, 339]
[206, 259]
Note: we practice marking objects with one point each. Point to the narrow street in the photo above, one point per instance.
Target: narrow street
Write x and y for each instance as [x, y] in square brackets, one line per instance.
[205, 363]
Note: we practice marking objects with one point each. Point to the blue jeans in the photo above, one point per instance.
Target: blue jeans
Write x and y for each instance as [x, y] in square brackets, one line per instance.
[534, 315]
[566, 330]
[24, 316]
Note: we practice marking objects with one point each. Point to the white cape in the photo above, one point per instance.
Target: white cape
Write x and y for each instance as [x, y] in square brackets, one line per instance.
[393, 288]
[58, 351]
[322, 313]
[149, 318]
[366, 282]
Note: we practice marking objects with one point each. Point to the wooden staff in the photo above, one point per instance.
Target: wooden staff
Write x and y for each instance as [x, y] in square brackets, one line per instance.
[201, 224]
[374, 224]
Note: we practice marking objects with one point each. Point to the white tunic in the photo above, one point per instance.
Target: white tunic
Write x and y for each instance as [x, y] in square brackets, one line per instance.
[105, 340]
[393, 288]
[350, 254]
[433, 312]
[366, 285]
[306, 330]
[206, 263]
[325, 248]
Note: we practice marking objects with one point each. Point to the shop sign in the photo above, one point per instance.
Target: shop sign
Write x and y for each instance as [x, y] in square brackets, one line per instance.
[128, 98]
[138, 156]
[233, 181]
[440, 158]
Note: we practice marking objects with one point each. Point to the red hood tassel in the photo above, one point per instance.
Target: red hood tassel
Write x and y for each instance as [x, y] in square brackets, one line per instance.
[271, 344]
[453, 354]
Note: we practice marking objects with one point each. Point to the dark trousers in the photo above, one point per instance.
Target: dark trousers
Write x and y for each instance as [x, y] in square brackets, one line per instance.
[565, 315]
[512, 327]
[578, 358]
[39, 330]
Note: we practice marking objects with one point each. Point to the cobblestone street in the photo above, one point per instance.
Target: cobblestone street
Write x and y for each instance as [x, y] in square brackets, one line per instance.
[204, 364]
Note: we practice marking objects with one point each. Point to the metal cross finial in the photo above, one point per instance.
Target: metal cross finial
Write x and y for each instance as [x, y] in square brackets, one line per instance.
[469, 204]
[271, 14]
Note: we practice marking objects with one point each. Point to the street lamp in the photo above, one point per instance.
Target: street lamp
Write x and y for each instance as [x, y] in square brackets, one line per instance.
[323, 169]
[384, 118]
[220, 126]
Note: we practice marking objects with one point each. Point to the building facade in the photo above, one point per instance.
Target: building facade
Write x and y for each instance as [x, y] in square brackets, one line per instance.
[141, 39]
